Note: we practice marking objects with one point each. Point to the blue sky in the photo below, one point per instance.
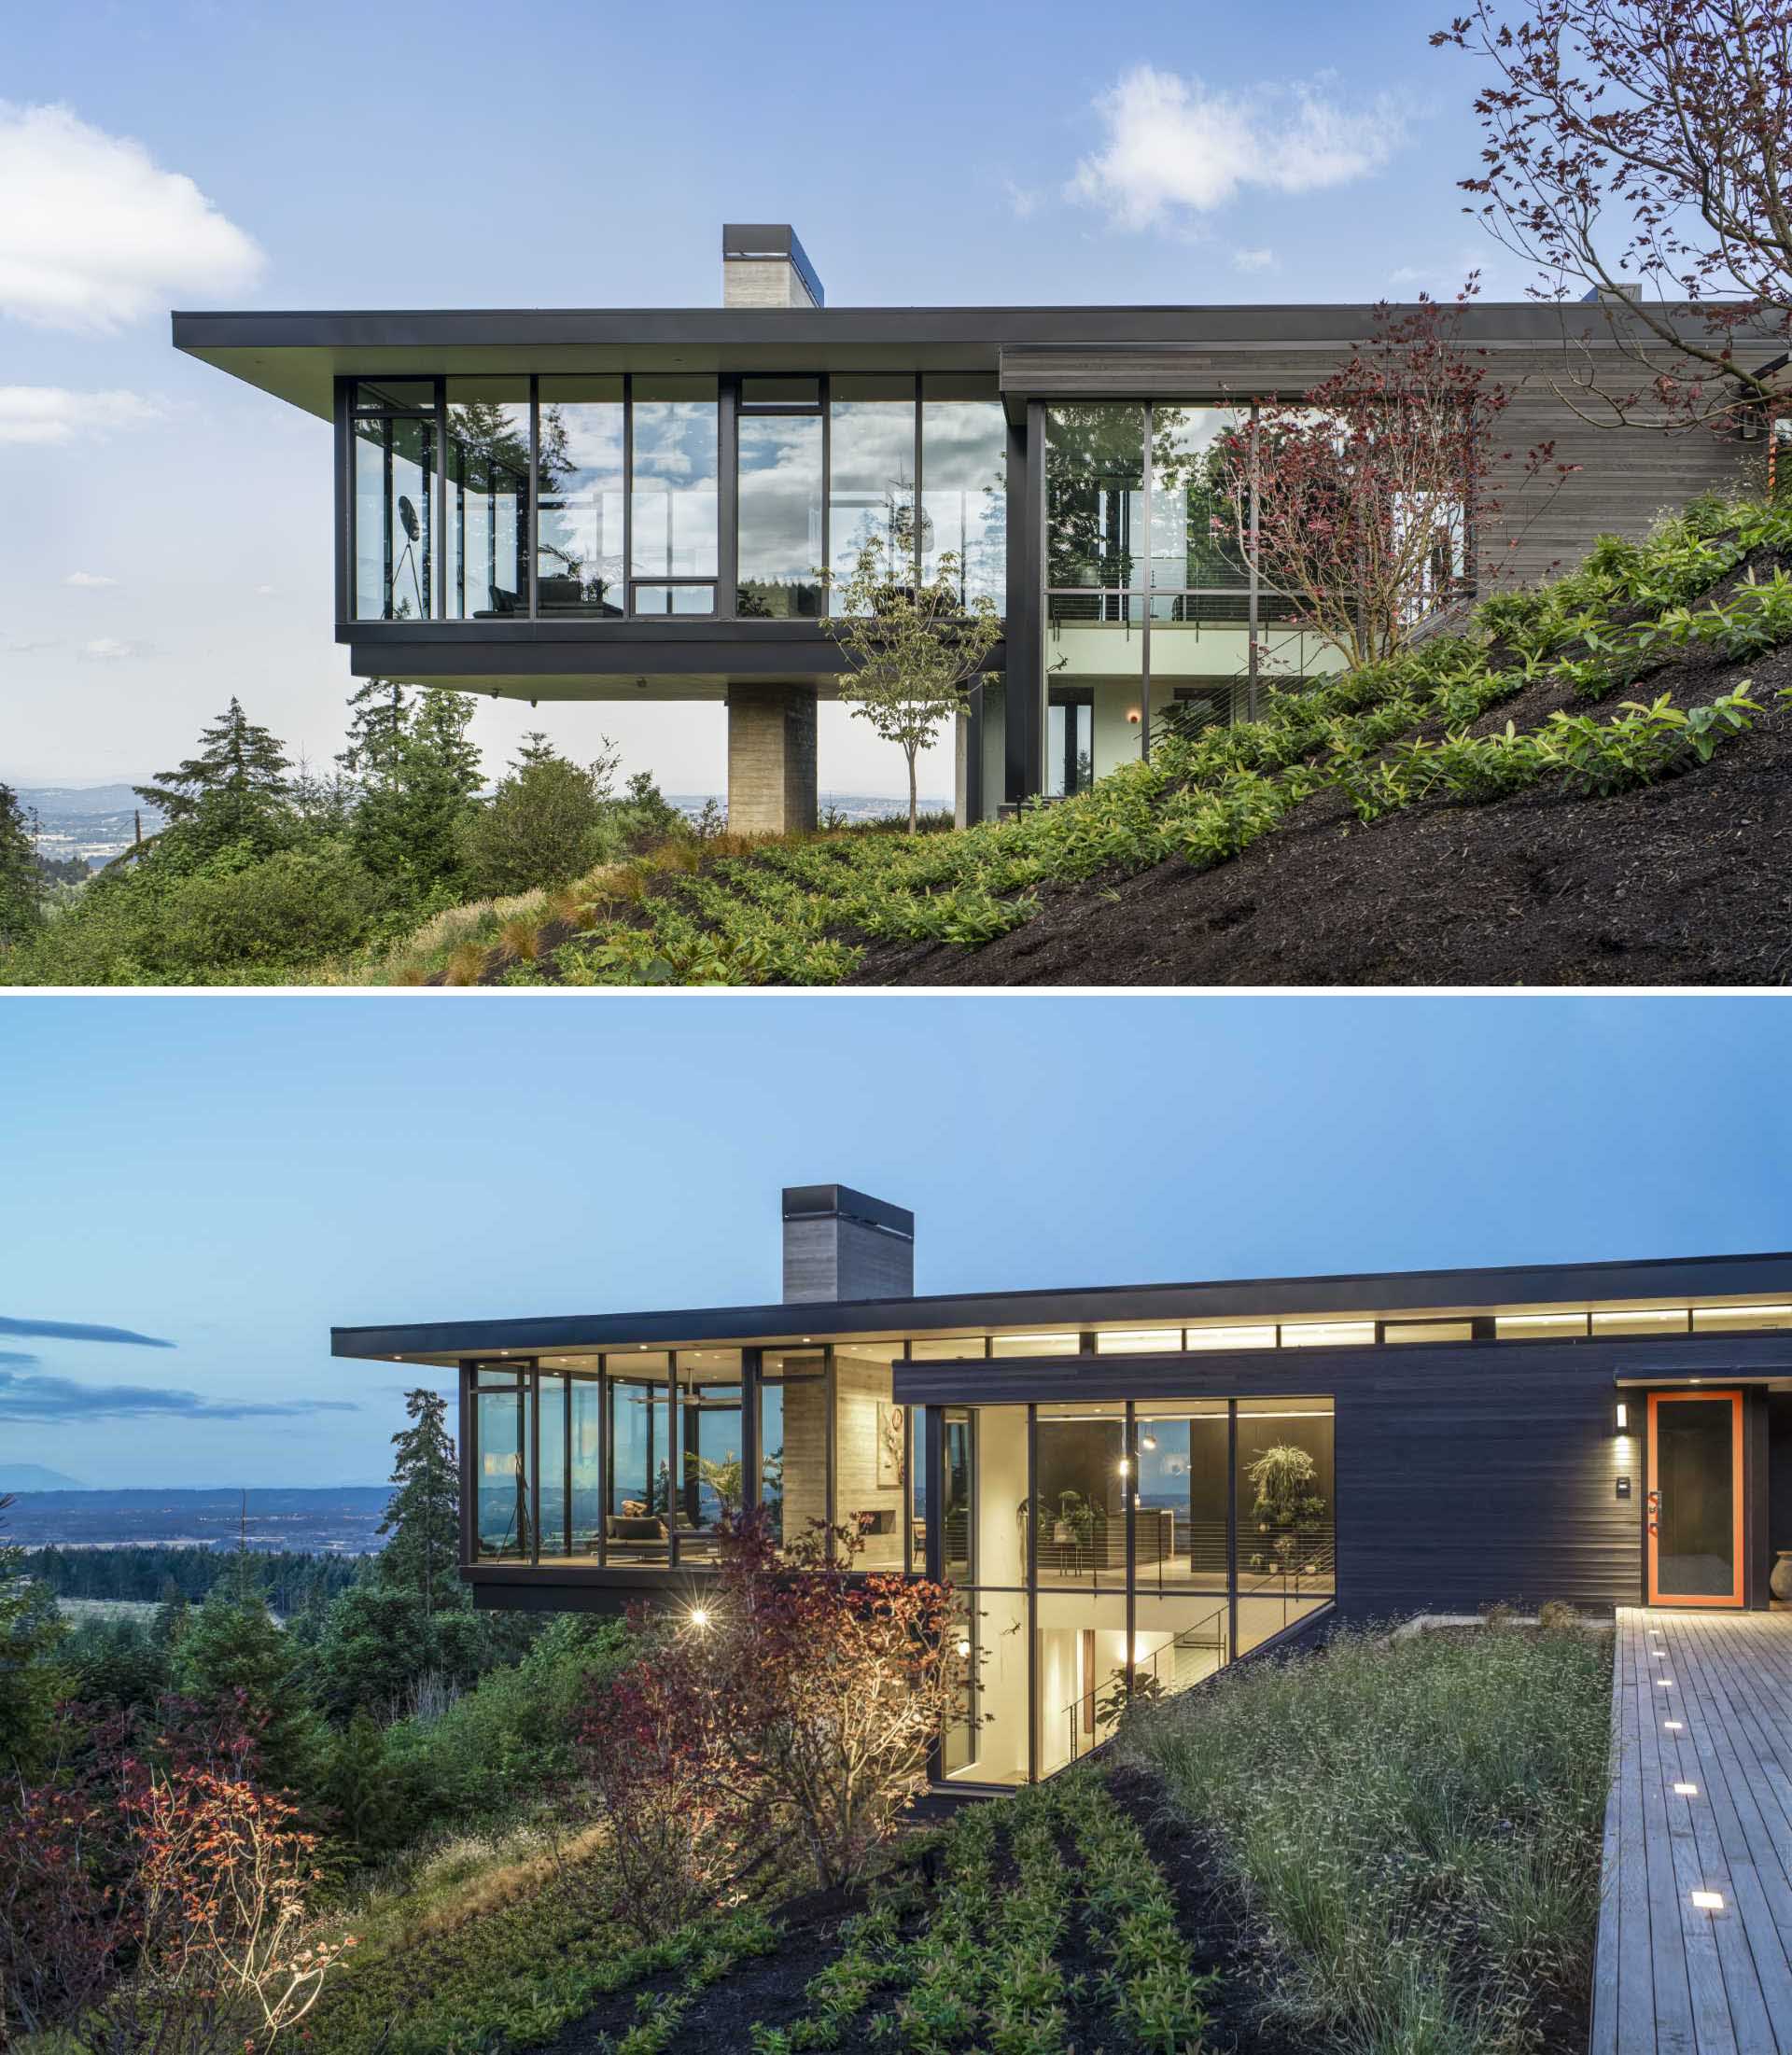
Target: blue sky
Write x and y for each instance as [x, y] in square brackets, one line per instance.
[164, 534]
[233, 1176]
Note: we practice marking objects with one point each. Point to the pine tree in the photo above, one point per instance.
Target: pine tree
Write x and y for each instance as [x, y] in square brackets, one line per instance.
[22, 881]
[236, 790]
[379, 725]
[413, 802]
[423, 1515]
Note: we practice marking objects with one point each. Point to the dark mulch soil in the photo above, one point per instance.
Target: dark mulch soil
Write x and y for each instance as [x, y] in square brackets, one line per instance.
[1207, 1914]
[1687, 881]
[764, 1987]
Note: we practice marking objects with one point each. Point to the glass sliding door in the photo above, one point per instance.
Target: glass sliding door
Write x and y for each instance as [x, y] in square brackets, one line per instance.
[1695, 1503]
[1286, 1517]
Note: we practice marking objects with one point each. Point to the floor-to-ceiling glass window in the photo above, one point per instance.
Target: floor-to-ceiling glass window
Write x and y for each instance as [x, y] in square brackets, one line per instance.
[553, 1503]
[707, 1423]
[1081, 1480]
[871, 478]
[673, 500]
[1286, 1514]
[638, 1508]
[487, 474]
[581, 487]
[395, 458]
[780, 488]
[503, 1524]
[964, 483]
[1095, 596]
[1199, 656]
[585, 1473]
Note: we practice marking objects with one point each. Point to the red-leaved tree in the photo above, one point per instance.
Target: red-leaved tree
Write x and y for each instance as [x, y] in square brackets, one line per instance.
[153, 1893]
[797, 1697]
[1642, 150]
[1370, 500]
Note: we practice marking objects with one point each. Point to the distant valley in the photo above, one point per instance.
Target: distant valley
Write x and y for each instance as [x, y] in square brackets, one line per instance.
[340, 1521]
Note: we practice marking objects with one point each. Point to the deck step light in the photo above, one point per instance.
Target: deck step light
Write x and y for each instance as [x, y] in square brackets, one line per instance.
[1685, 1790]
[1709, 1901]
[1672, 1727]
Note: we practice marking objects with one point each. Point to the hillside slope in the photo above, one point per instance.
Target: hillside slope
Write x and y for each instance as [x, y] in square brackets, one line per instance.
[1683, 882]
[1593, 785]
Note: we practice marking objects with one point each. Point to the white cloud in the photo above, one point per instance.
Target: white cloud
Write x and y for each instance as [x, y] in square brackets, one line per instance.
[29, 648]
[1175, 145]
[89, 580]
[263, 590]
[107, 648]
[1254, 260]
[107, 234]
[1022, 201]
[53, 413]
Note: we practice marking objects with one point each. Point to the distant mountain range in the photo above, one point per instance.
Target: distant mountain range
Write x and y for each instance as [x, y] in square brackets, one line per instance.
[339, 1521]
[91, 822]
[32, 1476]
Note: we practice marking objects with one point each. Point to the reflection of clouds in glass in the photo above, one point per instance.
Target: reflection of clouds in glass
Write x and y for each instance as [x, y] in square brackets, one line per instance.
[781, 498]
[593, 437]
[675, 439]
[873, 445]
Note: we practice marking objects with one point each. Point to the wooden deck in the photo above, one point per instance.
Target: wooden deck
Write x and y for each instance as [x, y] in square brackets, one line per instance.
[1700, 1811]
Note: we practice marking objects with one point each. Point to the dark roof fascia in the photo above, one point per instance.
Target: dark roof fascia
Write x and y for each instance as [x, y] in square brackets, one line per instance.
[1029, 1380]
[1766, 1276]
[1522, 323]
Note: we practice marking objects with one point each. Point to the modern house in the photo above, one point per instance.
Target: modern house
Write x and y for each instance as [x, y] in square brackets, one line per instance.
[1140, 1482]
[637, 504]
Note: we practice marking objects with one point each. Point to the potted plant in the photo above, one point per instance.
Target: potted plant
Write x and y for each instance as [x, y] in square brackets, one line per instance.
[1282, 1479]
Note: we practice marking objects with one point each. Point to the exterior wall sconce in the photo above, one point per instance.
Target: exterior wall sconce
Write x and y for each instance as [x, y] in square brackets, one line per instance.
[1125, 1467]
[1623, 1418]
[1133, 717]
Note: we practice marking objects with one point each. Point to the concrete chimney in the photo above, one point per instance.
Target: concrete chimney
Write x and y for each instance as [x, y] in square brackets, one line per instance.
[763, 265]
[842, 1244]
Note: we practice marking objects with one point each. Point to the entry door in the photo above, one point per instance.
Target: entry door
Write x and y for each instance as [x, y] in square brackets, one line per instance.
[1070, 740]
[1695, 1504]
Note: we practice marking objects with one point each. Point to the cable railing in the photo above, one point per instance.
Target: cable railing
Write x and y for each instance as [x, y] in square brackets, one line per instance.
[1179, 1661]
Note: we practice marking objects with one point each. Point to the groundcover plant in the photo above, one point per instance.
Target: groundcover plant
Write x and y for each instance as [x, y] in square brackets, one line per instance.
[1386, 737]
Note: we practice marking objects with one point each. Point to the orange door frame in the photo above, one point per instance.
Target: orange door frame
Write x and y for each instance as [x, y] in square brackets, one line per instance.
[1735, 1597]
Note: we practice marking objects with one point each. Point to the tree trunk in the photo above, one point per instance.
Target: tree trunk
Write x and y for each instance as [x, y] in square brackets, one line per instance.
[913, 818]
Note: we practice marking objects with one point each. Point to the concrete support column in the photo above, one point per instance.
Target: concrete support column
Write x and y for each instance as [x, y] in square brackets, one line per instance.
[771, 759]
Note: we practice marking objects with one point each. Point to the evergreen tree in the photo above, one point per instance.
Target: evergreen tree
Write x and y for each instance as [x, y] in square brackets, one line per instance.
[423, 1515]
[415, 789]
[359, 1790]
[31, 1679]
[379, 725]
[233, 1644]
[234, 791]
[21, 880]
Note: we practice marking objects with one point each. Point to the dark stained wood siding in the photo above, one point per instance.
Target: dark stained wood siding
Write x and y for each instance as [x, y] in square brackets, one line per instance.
[1482, 1473]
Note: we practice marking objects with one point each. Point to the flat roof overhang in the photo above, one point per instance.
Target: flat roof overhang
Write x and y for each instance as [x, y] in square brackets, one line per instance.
[1025, 1380]
[297, 356]
[1666, 1280]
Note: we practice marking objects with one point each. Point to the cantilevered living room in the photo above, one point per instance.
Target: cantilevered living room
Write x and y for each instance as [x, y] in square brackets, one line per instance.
[1134, 1486]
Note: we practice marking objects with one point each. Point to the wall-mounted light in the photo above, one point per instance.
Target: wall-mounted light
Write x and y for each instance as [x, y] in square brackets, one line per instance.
[964, 1648]
[699, 1617]
[1622, 1416]
[1133, 717]
[1125, 1467]
[1147, 1441]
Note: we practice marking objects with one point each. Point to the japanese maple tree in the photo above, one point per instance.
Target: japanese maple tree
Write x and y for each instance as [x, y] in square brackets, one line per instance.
[1368, 498]
[1642, 150]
